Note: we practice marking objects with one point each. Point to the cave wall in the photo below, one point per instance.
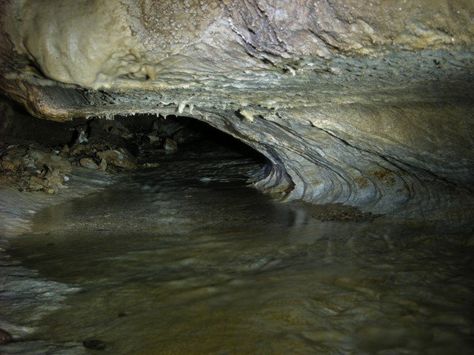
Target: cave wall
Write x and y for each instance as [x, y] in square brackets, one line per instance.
[362, 103]
[94, 42]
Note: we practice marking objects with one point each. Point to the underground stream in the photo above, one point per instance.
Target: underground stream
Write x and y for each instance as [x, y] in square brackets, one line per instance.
[178, 253]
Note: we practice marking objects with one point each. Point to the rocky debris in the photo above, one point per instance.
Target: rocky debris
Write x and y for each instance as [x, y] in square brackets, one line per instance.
[107, 146]
[120, 158]
[98, 145]
[5, 337]
[112, 144]
[159, 136]
[35, 169]
[112, 132]
[32, 167]
[103, 156]
[88, 163]
[170, 146]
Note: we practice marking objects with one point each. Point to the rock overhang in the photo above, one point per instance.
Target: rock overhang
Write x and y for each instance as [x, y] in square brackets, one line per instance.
[369, 105]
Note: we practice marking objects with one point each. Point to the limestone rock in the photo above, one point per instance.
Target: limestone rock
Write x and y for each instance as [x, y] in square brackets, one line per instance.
[360, 103]
[119, 158]
[88, 163]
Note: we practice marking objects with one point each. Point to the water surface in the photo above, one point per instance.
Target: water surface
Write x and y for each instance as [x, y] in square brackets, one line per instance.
[188, 259]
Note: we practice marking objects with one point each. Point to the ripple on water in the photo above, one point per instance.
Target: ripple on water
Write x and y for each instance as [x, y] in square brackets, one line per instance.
[214, 267]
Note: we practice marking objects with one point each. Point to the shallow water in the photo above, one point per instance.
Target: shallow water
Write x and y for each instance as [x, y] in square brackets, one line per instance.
[187, 258]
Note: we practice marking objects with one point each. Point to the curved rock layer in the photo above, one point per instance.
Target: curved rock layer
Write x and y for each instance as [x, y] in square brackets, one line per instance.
[363, 103]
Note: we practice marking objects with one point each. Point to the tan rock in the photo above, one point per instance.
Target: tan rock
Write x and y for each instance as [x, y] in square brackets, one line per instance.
[103, 165]
[36, 183]
[336, 90]
[120, 158]
[88, 163]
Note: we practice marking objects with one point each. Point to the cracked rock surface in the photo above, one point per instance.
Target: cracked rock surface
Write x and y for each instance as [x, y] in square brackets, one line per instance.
[363, 103]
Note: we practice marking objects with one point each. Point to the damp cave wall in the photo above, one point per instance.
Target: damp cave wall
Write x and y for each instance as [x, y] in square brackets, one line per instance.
[367, 104]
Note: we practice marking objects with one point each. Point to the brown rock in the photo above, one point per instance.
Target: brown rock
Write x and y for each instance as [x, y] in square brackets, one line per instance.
[55, 179]
[88, 163]
[308, 76]
[13, 159]
[9, 165]
[48, 159]
[119, 158]
[36, 183]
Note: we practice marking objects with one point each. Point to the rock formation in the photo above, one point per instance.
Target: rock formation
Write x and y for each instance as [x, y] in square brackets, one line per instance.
[366, 103]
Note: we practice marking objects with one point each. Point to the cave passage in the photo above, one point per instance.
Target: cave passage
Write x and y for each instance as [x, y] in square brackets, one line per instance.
[236, 177]
[165, 248]
[183, 135]
[186, 258]
[40, 155]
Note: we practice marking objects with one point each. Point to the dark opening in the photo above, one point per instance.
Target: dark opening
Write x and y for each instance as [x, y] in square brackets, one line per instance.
[34, 152]
[192, 137]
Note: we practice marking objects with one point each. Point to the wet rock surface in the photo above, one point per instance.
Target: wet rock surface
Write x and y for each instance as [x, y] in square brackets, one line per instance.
[34, 165]
[200, 262]
[365, 104]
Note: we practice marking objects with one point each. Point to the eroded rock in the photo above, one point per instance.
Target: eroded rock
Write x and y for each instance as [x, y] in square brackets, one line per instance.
[119, 158]
[361, 103]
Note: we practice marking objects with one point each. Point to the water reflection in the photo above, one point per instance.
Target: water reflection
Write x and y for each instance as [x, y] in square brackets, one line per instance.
[187, 259]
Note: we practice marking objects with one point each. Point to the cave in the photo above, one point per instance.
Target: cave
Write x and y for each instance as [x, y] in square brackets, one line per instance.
[237, 176]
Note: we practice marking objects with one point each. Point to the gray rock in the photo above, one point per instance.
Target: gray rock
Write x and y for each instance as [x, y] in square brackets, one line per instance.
[359, 103]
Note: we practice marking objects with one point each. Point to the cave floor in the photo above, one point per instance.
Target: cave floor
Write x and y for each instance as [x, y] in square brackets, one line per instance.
[187, 258]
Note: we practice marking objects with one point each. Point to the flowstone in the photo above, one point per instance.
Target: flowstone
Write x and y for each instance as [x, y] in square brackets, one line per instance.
[368, 104]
